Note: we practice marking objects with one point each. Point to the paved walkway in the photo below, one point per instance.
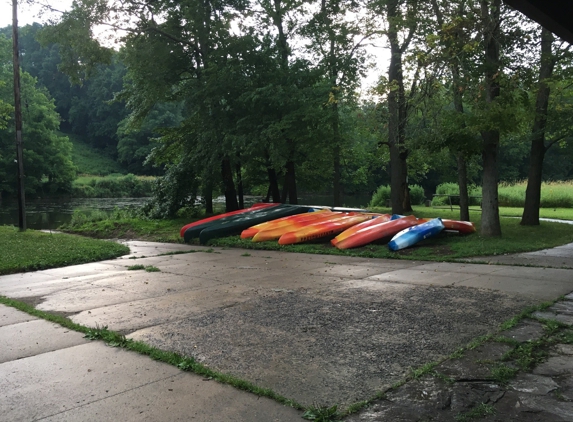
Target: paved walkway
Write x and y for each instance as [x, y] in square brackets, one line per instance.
[314, 328]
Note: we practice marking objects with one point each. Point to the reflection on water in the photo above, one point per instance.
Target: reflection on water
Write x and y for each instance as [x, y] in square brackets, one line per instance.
[45, 214]
[52, 213]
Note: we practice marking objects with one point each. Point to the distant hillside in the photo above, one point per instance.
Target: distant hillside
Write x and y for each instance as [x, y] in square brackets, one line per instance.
[90, 160]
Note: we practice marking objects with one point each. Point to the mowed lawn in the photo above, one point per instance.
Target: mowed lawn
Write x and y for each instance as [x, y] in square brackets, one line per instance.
[33, 250]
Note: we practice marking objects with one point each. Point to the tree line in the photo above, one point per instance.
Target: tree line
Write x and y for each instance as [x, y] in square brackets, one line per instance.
[266, 92]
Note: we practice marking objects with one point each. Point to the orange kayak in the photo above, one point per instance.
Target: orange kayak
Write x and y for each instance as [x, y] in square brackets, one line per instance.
[277, 232]
[464, 227]
[323, 229]
[286, 221]
[376, 231]
[349, 232]
[259, 205]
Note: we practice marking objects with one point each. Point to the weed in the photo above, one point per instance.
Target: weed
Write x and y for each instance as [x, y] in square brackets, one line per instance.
[503, 373]
[322, 413]
[478, 412]
[426, 369]
[246, 254]
[136, 267]
[152, 269]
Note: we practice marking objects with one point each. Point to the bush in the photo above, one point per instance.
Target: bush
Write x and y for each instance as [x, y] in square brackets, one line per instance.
[382, 195]
[454, 189]
[113, 186]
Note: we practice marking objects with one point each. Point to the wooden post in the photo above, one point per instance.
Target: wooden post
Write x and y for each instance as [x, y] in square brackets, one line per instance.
[18, 119]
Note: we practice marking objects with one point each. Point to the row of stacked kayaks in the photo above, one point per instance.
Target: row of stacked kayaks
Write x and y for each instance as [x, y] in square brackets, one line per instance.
[291, 224]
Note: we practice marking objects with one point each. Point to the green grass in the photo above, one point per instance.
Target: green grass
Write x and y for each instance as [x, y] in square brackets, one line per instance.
[553, 194]
[33, 250]
[478, 412]
[90, 160]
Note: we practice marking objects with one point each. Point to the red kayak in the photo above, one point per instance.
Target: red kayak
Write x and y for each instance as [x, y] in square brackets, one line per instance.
[463, 227]
[349, 232]
[258, 205]
[377, 231]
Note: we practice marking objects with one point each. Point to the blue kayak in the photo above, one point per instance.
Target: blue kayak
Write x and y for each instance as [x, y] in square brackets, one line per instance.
[414, 234]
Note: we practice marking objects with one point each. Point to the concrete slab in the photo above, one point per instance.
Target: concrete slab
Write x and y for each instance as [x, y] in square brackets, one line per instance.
[416, 275]
[81, 299]
[35, 337]
[10, 316]
[181, 398]
[553, 275]
[44, 385]
[334, 346]
[138, 314]
[545, 290]
[140, 248]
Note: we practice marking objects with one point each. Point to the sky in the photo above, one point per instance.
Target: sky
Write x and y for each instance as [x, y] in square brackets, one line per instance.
[27, 14]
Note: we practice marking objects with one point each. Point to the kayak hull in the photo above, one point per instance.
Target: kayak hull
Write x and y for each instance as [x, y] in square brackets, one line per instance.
[256, 206]
[321, 230]
[352, 230]
[375, 232]
[302, 219]
[236, 225]
[413, 235]
[463, 227]
[277, 232]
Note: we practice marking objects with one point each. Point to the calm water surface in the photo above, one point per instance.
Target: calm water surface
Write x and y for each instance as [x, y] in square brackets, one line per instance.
[43, 214]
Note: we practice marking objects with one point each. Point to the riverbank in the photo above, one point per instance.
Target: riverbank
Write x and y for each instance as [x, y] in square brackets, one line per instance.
[448, 247]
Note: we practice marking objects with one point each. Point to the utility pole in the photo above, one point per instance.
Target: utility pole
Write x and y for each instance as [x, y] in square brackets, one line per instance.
[18, 119]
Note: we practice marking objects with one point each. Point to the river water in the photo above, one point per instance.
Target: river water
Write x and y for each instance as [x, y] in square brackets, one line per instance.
[44, 214]
[49, 214]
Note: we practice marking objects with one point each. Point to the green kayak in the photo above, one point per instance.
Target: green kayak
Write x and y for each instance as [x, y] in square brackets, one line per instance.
[193, 232]
[243, 221]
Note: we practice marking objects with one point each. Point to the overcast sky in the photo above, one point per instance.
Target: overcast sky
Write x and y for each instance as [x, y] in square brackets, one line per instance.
[27, 14]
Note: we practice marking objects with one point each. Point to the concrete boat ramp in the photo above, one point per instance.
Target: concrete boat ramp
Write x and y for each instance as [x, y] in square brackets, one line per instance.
[318, 329]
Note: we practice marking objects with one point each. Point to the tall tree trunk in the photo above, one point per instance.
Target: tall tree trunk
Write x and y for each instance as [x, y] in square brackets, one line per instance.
[490, 224]
[460, 156]
[336, 185]
[290, 183]
[231, 203]
[274, 191]
[533, 192]
[463, 184]
[240, 187]
[397, 117]
[208, 196]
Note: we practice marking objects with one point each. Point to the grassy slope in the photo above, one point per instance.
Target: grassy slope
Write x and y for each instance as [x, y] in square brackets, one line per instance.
[33, 250]
[90, 160]
[515, 238]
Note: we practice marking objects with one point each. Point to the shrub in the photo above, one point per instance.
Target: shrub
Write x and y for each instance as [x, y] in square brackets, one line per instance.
[113, 186]
[454, 189]
[382, 195]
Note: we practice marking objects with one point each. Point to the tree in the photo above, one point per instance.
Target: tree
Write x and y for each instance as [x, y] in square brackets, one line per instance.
[548, 60]
[47, 155]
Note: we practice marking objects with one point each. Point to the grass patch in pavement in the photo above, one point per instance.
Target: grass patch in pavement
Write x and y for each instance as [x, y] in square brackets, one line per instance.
[34, 250]
[480, 411]
[185, 363]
